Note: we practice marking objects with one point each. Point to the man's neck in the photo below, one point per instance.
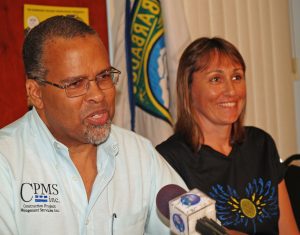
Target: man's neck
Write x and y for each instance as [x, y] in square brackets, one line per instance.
[84, 158]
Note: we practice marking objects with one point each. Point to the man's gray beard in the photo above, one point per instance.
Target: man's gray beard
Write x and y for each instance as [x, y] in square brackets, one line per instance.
[97, 134]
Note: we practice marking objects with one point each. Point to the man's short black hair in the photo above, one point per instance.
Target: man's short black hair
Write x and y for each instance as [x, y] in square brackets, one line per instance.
[58, 26]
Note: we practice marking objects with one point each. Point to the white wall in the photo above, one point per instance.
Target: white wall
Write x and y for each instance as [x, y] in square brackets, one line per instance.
[295, 37]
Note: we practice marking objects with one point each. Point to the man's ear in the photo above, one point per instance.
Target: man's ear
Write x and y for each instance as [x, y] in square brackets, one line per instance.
[34, 93]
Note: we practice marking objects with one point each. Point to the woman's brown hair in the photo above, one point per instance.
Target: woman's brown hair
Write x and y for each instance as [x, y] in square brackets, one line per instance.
[197, 57]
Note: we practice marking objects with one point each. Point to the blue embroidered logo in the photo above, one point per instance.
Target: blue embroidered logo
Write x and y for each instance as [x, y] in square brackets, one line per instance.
[258, 204]
[41, 198]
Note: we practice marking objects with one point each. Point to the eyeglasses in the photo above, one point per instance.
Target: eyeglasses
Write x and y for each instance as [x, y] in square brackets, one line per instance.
[79, 86]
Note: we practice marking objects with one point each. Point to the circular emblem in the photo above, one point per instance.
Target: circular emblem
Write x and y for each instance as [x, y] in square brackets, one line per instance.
[32, 21]
[190, 199]
[178, 222]
[248, 208]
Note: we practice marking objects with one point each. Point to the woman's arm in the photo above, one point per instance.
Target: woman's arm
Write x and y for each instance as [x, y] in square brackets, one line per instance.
[287, 223]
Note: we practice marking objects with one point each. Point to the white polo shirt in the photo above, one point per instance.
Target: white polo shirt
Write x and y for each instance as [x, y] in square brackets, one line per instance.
[41, 191]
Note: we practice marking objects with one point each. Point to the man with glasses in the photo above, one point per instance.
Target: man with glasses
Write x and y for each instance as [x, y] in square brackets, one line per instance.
[64, 168]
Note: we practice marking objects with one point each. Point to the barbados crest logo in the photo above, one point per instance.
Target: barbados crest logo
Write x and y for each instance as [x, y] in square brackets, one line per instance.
[147, 56]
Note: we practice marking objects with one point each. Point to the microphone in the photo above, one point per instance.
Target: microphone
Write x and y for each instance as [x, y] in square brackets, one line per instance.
[188, 213]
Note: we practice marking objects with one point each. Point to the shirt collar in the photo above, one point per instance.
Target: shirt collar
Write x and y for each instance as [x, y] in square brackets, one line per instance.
[41, 131]
[39, 127]
[45, 137]
[111, 146]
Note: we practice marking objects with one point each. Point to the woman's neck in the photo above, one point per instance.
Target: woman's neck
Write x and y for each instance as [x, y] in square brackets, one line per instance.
[218, 138]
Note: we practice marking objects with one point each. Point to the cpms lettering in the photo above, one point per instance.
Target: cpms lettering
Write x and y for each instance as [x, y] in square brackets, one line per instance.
[39, 197]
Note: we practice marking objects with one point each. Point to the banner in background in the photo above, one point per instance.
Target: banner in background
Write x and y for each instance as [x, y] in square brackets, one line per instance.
[34, 14]
[147, 67]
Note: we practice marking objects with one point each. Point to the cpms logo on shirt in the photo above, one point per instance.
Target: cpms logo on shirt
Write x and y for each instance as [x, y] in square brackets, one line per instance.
[39, 198]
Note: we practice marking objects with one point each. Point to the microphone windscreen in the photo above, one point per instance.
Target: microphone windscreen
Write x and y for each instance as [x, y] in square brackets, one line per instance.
[166, 194]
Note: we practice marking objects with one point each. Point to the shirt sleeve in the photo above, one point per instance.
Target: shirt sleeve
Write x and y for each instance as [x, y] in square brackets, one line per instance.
[162, 174]
[7, 220]
[276, 165]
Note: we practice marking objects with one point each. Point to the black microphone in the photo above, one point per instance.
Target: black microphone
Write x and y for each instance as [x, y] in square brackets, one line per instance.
[188, 213]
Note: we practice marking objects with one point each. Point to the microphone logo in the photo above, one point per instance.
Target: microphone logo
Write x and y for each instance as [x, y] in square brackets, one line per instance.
[178, 222]
[190, 199]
